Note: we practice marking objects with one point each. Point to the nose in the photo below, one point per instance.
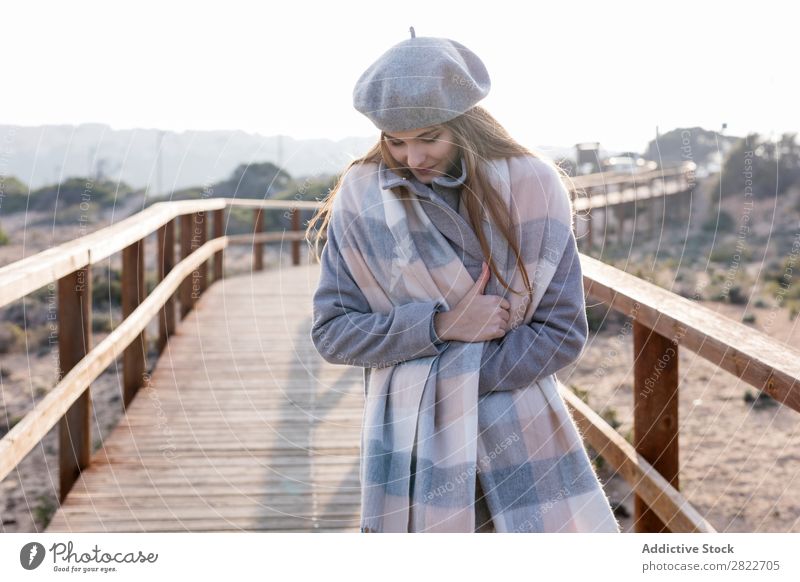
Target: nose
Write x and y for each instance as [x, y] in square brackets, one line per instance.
[416, 155]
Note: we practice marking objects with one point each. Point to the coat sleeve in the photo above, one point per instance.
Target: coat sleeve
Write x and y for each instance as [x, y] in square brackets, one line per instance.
[554, 338]
[346, 331]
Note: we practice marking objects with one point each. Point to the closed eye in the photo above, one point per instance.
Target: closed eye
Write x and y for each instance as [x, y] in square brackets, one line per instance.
[426, 140]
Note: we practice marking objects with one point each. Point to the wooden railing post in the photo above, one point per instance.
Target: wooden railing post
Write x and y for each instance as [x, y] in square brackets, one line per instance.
[686, 205]
[219, 230]
[185, 292]
[166, 261]
[295, 243]
[653, 221]
[74, 342]
[258, 247]
[620, 212]
[199, 239]
[655, 413]
[133, 293]
[585, 242]
[589, 233]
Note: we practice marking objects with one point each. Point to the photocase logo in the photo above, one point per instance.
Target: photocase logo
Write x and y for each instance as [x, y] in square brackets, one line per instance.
[31, 555]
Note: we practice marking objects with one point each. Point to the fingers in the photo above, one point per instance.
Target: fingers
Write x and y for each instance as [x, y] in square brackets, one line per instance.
[503, 303]
[483, 278]
[480, 284]
[505, 314]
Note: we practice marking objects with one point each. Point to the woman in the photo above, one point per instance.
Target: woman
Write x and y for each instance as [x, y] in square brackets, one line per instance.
[451, 275]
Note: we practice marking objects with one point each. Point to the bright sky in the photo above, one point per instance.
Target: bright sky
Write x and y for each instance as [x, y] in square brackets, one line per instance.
[561, 72]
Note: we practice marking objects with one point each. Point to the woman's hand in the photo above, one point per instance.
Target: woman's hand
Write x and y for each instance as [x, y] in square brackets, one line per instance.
[477, 317]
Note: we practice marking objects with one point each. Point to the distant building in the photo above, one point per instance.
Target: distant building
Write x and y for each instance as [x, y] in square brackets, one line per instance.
[587, 155]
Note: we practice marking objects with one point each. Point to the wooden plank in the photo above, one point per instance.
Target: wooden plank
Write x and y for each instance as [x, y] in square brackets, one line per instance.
[252, 524]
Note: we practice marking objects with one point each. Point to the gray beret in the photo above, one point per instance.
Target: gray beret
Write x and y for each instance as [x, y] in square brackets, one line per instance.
[419, 82]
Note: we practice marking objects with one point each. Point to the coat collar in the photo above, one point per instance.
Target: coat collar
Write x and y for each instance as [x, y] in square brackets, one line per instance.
[453, 225]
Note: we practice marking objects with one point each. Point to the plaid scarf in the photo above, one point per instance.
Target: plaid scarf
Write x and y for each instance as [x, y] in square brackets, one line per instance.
[426, 436]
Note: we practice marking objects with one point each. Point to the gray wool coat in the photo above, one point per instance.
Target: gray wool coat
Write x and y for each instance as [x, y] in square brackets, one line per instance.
[345, 331]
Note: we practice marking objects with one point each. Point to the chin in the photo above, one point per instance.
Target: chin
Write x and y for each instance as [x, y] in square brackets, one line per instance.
[427, 179]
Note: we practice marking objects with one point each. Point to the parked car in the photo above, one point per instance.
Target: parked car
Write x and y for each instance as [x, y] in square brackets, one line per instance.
[627, 163]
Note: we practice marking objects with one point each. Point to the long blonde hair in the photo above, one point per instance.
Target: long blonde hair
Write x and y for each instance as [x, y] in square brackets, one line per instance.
[479, 136]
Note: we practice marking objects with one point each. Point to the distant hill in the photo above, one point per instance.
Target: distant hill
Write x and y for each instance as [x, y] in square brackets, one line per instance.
[49, 154]
[693, 144]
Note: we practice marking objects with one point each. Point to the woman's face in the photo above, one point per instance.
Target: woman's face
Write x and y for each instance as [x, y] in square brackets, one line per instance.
[428, 152]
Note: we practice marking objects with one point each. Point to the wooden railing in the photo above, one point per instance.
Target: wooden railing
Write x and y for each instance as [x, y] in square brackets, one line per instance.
[601, 183]
[69, 264]
[615, 193]
[662, 322]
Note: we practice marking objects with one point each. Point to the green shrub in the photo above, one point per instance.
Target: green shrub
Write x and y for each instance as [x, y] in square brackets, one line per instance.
[101, 322]
[722, 223]
[11, 336]
[737, 296]
[106, 288]
[44, 510]
[610, 416]
[726, 252]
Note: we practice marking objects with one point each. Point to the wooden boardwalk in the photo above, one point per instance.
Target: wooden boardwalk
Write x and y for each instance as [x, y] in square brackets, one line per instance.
[242, 427]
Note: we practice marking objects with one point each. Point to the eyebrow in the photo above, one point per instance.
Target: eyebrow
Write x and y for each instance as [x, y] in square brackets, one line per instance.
[423, 134]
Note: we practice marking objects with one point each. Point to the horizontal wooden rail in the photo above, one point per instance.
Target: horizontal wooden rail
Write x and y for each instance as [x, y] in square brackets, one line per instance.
[756, 358]
[615, 178]
[266, 237]
[666, 501]
[271, 204]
